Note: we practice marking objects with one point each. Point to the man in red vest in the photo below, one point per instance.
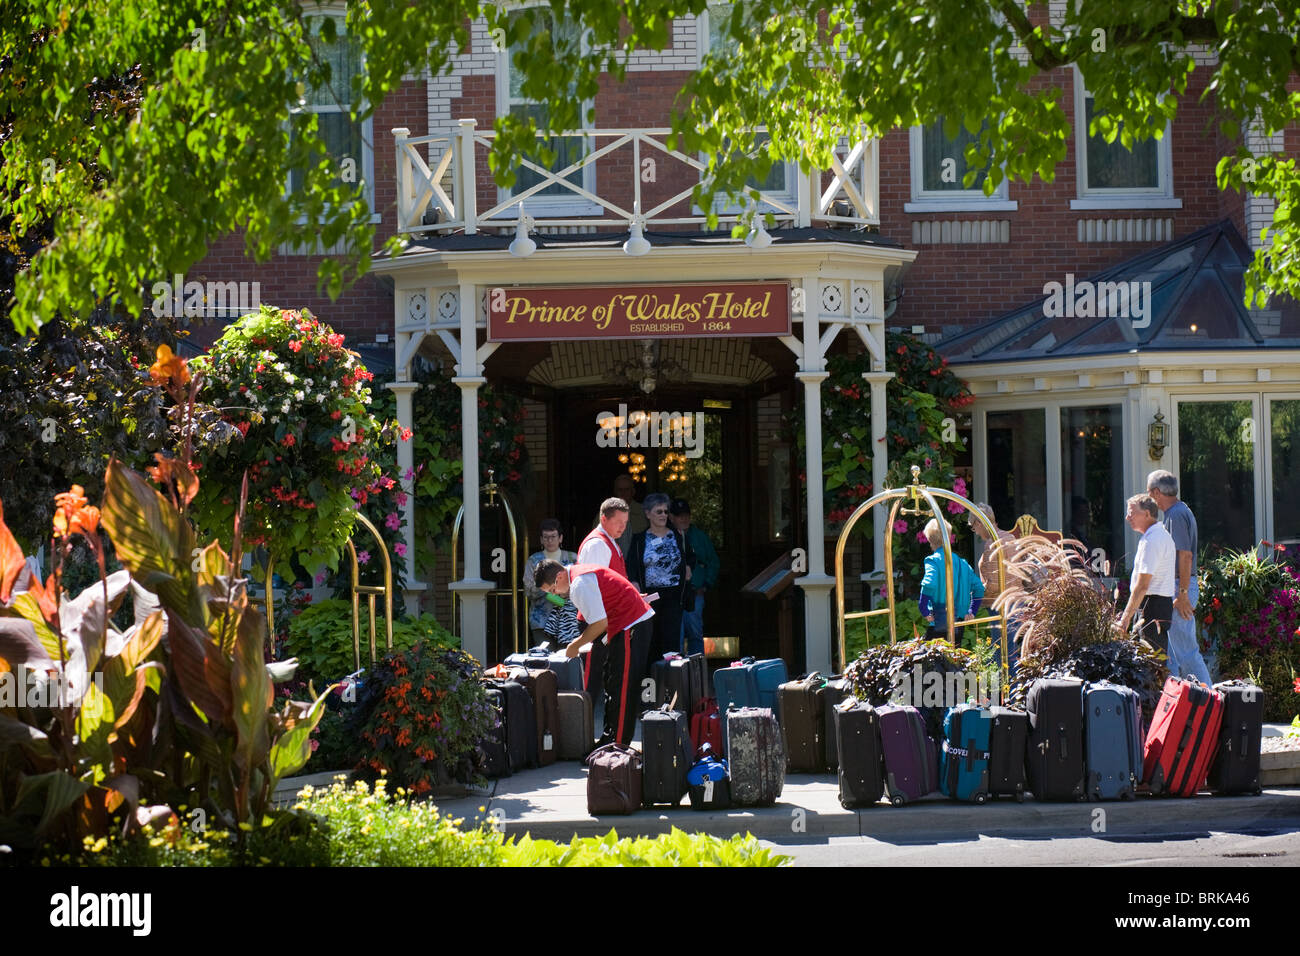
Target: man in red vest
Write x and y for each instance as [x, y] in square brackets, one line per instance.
[609, 604]
[601, 547]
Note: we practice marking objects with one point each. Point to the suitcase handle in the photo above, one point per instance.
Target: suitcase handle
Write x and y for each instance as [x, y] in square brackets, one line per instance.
[1064, 737]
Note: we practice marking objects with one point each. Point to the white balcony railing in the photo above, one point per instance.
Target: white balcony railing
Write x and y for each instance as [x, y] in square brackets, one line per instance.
[851, 196]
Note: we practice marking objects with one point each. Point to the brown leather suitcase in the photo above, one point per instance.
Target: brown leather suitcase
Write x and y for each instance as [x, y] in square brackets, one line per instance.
[801, 712]
[575, 725]
[542, 686]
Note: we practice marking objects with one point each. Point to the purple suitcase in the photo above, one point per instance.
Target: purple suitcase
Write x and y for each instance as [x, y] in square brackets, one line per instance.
[911, 762]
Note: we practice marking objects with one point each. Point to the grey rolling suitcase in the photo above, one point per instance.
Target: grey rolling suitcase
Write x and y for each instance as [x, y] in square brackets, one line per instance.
[756, 756]
[1112, 739]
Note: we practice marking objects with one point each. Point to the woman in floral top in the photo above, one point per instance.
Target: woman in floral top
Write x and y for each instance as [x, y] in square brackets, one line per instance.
[658, 561]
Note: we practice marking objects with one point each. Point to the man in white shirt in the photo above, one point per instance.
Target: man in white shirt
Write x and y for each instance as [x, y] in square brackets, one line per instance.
[1151, 586]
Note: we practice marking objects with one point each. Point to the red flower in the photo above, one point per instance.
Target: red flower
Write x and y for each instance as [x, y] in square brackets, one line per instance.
[405, 434]
[295, 345]
[1297, 685]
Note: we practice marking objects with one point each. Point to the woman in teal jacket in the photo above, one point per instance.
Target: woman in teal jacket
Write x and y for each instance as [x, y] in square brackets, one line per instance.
[967, 589]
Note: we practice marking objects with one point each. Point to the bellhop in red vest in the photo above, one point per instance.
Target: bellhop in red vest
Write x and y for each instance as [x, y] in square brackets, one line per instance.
[592, 546]
[620, 604]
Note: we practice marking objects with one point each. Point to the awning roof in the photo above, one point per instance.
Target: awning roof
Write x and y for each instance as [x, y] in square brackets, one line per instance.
[1195, 303]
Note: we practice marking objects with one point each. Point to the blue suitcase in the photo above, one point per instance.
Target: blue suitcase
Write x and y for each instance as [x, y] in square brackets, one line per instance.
[1112, 739]
[749, 683]
[964, 774]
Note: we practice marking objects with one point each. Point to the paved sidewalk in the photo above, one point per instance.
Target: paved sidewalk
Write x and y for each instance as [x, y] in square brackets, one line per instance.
[551, 803]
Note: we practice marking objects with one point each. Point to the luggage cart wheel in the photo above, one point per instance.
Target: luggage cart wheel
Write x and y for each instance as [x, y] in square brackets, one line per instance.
[898, 800]
[981, 797]
[1020, 796]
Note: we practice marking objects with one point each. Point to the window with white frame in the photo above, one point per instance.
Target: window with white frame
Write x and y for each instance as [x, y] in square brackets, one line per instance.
[348, 142]
[554, 198]
[712, 37]
[1113, 177]
[939, 171]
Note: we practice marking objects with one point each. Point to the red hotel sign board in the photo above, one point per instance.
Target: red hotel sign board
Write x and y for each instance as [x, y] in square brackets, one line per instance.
[638, 311]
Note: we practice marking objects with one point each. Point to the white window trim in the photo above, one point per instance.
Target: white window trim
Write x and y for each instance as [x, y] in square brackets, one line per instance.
[1162, 197]
[963, 200]
[788, 196]
[547, 206]
[339, 12]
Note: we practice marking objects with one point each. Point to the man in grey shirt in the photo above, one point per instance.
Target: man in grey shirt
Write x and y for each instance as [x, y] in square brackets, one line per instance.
[1184, 650]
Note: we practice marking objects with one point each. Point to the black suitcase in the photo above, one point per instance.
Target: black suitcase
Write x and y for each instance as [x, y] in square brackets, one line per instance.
[1055, 752]
[860, 755]
[675, 683]
[1236, 764]
[666, 751]
[496, 753]
[836, 689]
[800, 712]
[520, 722]
[1008, 738]
[700, 686]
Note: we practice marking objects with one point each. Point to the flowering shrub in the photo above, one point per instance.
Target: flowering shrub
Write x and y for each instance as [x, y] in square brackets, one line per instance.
[423, 714]
[320, 636]
[1251, 607]
[300, 401]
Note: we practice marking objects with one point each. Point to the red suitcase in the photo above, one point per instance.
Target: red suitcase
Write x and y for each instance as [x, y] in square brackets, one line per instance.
[706, 726]
[1183, 738]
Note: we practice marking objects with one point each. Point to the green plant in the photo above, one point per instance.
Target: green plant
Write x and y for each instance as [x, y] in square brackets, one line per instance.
[320, 636]
[423, 714]
[1248, 603]
[309, 440]
[880, 670]
[908, 623]
[1272, 670]
[676, 848]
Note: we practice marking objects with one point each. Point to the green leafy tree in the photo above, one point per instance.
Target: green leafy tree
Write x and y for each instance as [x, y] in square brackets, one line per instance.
[222, 118]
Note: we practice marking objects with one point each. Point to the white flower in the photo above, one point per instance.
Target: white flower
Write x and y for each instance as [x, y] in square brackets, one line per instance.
[274, 419]
[308, 382]
[299, 395]
[290, 378]
[320, 396]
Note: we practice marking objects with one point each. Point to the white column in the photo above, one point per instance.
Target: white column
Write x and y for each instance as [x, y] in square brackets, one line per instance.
[879, 457]
[412, 590]
[816, 583]
[471, 587]
[468, 190]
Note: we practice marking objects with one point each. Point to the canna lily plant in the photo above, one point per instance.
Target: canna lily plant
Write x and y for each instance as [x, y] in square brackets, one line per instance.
[176, 710]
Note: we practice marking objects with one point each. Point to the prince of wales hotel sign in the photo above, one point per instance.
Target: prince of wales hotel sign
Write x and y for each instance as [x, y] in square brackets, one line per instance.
[633, 312]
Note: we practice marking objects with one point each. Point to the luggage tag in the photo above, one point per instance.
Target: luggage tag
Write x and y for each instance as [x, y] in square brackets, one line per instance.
[708, 789]
[547, 743]
[848, 703]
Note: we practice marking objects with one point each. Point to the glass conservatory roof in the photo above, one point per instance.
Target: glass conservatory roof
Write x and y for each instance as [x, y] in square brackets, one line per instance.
[1183, 295]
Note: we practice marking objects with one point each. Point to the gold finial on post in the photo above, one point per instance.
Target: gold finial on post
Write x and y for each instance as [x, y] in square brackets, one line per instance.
[916, 474]
[490, 489]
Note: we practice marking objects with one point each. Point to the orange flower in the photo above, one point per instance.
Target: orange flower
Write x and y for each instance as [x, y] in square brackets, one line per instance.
[73, 516]
[169, 368]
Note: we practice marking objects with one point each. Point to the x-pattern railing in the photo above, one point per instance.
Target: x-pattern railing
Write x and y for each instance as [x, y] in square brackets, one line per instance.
[421, 187]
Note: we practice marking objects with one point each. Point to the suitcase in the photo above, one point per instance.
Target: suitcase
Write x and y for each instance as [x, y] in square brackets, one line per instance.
[1112, 736]
[568, 670]
[613, 780]
[1184, 735]
[802, 720]
[1008, 738]
[1236, 766]
[749, 683]
[836, 689]
[495, 746]
[706, 726]
[676, 680]
[911, 759]
[666, 751]
[520, 719]
[709, 781]
[755, 756]
[1055, 752]
[964, 774]
[541, 686]
[576, 730]
[861, 767]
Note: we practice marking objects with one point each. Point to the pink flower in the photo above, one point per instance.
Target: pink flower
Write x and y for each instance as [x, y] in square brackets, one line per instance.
[363, 557]
[928, 463]
[401, 499]
[392, 521]
[954, 508]
[408, 475]
[320, 578]
[920, 536]
[900, 526]
[400, 549]
[959, 486]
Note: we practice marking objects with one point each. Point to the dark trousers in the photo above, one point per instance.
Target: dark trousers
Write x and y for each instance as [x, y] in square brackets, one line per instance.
[623, 672]
[667, 628]
[1156, 611]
